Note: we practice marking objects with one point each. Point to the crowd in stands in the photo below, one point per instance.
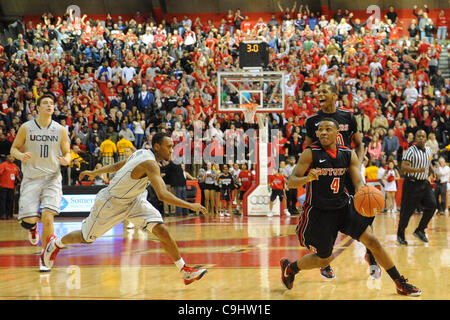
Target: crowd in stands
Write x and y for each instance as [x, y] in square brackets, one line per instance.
[118, 82]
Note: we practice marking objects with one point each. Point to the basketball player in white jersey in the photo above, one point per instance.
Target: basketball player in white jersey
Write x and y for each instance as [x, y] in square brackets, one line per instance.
[126, 198]
[42, 145]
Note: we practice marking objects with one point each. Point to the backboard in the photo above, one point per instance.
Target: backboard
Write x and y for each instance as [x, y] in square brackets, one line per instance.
[251, 86]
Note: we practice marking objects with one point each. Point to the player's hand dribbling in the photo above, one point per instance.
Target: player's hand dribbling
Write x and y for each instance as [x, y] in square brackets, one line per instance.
[198, 207]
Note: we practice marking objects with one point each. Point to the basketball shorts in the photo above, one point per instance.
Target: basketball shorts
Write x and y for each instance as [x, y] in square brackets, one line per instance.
[317, 229]
[40, 194]
[276, 193]
[108, 211]
[226, 195]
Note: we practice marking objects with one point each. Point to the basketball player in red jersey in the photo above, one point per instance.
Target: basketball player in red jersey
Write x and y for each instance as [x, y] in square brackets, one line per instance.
[329, 209]
[245, 179]
[277, 183]
[347, 133]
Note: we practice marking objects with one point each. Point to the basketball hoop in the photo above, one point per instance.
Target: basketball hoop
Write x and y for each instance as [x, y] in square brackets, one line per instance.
[249, 110]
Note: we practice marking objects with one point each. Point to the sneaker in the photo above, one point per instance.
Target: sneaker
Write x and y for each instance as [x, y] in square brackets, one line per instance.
[327, 273]
[420, 235]
[50, 252]
[287, 213]
[374, 268]
[42, 267]
[406, 289]
[402, 241]
[192, 274]
[287, 277]
[33, 237]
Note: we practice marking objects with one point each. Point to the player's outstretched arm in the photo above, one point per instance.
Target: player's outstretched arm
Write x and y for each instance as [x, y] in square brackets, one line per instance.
[154, 176]
[298, 178]
[355, 171]
[107, 169]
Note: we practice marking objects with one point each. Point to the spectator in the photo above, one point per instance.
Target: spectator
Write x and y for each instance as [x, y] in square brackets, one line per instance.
[433, 145]
[422, 19]
[375, 149]
[126, 133]
[429, 31]
[5, 147]
[121, 145]
[413, 29]
[177, 177]
[391, 14]
[9, 178]
[390, 144]
[442, 173]
[128, 72]
[75, 172]
[441, 28]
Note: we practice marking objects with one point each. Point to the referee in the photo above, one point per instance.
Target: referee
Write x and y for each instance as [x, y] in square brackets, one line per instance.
[416, 166]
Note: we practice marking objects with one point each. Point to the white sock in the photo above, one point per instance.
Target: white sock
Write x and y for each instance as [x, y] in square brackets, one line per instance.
[59, 243]
[180, 264]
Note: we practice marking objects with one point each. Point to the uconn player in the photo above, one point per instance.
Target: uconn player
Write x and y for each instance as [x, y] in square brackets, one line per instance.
[126, 198]
[42, 145]
[347, 132]
[329, 209]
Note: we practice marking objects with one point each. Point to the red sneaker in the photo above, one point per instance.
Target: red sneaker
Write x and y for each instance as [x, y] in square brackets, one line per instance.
[287, 277]
[192, 274]
[50, 252]
[406, 289]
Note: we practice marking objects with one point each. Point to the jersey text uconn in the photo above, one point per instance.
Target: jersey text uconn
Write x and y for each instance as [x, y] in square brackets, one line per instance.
[37, 137]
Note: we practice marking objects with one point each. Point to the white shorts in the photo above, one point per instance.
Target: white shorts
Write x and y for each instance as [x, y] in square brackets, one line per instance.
[40, 193]
[109, 211]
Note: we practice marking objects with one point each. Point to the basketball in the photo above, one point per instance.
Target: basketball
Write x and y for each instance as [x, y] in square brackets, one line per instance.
[369, 201]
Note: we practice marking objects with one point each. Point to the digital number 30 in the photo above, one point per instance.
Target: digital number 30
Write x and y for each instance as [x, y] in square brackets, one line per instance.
[252, 48]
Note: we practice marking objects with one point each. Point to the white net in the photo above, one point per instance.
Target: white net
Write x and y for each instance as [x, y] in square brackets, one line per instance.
[249, 110]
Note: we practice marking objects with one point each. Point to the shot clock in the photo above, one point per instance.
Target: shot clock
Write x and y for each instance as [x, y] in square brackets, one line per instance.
[253, 54]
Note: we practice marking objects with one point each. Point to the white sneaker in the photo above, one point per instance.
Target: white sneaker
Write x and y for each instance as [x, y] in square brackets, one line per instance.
[270, 214]
[33, 237]
[287, 213]
[42, 267]
[130, 225]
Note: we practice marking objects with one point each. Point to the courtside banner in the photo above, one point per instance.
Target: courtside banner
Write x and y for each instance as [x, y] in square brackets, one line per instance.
[77, 202]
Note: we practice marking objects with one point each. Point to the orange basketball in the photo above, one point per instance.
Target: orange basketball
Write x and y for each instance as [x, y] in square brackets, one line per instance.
[369, 201]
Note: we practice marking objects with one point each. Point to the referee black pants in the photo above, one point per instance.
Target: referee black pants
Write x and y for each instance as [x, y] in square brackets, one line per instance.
[416, 193]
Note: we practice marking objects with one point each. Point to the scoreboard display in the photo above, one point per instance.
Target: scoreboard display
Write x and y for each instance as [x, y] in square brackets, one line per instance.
[253, 54]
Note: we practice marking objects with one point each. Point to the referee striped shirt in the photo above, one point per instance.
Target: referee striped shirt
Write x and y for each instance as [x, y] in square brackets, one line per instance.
[419, 158]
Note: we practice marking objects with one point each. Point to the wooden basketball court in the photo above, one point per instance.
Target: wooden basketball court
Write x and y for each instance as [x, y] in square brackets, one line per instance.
[241, 254]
